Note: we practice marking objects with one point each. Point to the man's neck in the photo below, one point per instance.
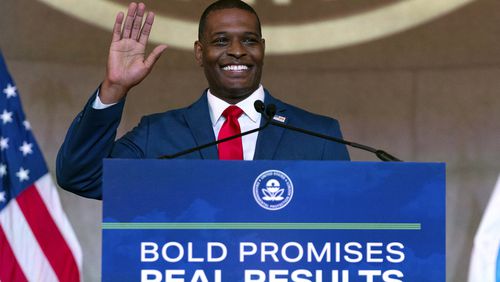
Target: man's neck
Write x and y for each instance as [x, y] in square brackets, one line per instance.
[217, 106]
[233, 98]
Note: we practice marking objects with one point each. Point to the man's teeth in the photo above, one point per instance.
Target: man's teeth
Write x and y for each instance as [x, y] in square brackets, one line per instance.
[235, 68]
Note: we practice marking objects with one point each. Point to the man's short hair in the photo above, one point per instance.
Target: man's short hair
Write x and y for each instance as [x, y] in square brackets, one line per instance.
[225, 4]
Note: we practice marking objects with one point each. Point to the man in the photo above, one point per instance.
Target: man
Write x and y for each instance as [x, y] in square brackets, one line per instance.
[230, 48]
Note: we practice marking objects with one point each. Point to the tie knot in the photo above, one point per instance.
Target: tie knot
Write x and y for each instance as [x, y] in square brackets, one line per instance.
[232, 112]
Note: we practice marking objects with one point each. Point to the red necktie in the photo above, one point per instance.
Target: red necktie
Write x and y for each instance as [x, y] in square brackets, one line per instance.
[232, 149]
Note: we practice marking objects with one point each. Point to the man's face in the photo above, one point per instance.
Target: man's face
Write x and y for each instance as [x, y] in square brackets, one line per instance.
[231, 51]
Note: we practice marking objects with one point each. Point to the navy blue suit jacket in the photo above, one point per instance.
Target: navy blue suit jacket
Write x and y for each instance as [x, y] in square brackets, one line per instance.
[91, 138]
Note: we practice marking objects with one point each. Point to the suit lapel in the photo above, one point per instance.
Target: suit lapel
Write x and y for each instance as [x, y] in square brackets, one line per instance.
[198, 119]
[269, 138]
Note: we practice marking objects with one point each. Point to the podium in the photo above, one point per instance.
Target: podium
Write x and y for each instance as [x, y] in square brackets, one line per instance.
[185, 220]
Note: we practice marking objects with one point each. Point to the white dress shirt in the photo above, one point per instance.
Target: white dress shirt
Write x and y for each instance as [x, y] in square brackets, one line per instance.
[250, 119]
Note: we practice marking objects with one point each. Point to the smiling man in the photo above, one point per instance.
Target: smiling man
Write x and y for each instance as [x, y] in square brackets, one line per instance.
[230, 49]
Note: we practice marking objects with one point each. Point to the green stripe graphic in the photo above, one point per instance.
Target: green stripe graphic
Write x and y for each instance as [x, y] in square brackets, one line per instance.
[261, 226]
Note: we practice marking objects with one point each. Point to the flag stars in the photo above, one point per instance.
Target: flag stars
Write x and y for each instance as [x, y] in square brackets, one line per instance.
[4, 143]
[2, 197]
[26, 148]
[27, 125]
[6, 117]
[3, 170]
[10, 91]
[23, 174]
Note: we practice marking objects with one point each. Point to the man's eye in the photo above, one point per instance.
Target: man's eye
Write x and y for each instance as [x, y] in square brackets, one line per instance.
[249, 41]
[220, 41]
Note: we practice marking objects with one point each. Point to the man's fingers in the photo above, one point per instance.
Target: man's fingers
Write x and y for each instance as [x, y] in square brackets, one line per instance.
[136, 26]
[129, 20]
[154, 56]
[117, 28]
[146, 28]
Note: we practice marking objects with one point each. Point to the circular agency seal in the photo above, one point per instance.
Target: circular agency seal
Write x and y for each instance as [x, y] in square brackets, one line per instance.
[273, 190]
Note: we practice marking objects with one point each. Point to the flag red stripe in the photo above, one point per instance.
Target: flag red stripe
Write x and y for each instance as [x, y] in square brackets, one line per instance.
[10, 269]
[48, 235]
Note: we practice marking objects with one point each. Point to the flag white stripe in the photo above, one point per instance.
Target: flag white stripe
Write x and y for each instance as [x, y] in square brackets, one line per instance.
[49, 195]
[487, 242]
[24, 245]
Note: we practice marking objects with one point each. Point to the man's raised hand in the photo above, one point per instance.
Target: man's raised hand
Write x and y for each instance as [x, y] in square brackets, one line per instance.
[127, 64]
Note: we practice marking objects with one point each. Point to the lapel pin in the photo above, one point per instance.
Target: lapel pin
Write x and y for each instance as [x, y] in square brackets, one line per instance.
[279, 118]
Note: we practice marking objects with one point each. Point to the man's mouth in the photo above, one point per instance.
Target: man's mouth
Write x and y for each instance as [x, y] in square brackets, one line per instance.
[235, 68]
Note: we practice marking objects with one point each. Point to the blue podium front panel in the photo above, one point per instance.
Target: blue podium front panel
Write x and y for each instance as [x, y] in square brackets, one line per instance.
[278, 221]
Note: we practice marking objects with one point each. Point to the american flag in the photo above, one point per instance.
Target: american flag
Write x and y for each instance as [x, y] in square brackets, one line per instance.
[37, 242]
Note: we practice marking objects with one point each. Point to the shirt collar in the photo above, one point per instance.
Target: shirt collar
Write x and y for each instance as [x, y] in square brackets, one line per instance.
[216, 105]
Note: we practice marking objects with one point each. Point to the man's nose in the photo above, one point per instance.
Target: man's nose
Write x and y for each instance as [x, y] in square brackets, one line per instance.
[236, 49]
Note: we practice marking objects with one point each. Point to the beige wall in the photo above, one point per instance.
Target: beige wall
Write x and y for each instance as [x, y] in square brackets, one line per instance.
[429, 94]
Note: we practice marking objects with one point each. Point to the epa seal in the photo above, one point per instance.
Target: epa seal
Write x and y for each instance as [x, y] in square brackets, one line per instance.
[273, 190]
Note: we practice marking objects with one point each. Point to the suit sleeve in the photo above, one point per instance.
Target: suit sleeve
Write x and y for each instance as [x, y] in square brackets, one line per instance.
[88, 141]
[334, 150]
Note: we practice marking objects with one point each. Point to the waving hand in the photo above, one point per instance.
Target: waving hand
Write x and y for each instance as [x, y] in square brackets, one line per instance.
[127, 63]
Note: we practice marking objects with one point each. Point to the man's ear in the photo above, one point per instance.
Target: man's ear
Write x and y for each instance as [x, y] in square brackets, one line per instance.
[198, 52]
[263, 45]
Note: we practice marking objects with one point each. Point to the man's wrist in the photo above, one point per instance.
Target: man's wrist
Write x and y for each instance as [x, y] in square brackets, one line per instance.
[111, 93]
[98, 104]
